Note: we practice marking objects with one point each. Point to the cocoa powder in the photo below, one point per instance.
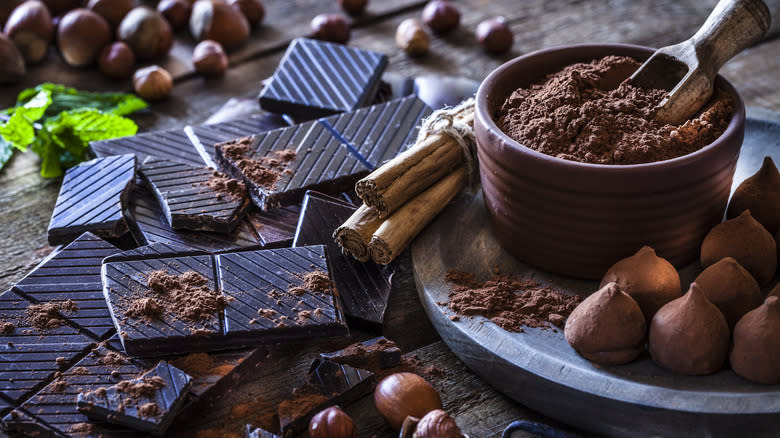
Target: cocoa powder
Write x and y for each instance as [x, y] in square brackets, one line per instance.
[49, 316]
[509, 302]
[587, 113]
[263, 171]
[221, 183]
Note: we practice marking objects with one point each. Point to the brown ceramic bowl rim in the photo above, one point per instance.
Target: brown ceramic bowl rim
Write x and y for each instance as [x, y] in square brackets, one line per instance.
[481, 112]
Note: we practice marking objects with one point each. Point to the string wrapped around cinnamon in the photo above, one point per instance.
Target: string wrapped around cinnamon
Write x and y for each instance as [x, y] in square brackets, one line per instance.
[402, 196]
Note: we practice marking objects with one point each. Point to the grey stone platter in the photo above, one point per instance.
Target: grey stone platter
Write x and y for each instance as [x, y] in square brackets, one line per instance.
[540, 370]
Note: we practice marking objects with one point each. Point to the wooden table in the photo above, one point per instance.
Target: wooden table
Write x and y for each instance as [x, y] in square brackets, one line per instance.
[26, 199]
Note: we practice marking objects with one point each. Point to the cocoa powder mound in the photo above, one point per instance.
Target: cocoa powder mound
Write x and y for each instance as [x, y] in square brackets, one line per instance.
[509, 302]
[146, 388]
[195, 364]
[317, 282]
[6, 327]
[49, 316]
[587, 113]
[264, 171]
[149, 410]
[222, 183]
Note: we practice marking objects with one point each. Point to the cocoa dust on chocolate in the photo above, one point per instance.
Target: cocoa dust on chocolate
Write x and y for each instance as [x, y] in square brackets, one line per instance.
[6, 327]
[317, 282]
[587, 113]
[263, 171]
[147, 387]
[112, 358]
[195, 364]
[223, 184]
[49, 316]
[149, 410]
[509, 302]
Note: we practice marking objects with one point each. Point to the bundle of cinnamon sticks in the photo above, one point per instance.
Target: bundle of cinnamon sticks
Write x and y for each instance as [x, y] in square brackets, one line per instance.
[402, 196]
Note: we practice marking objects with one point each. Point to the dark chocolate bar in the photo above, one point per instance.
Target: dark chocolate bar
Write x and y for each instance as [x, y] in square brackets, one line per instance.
[256, 432]
[373, 354]
[93, 197]
[215, 373]
[316, 79]
[364, 287]
[73, 273]
[328, 155]
[209, 135]
[190, 197]
[148, 403]
[275, 228]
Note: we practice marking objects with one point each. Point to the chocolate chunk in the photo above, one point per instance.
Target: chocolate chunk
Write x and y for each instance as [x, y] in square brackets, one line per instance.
[316, 79]
[364, 287]
[154, 250]
[173, 145]
[373, 354]
[54, 406]
[279, 294]
[93, 197]
[214, 374]
[31, 356]
[275, 228]
[195, 198]
[73, 274]
[211, 134]
[148, 403]
[328, 155]
[256, 432]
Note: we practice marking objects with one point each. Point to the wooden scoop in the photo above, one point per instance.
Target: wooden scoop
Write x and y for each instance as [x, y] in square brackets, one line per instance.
[687, 69]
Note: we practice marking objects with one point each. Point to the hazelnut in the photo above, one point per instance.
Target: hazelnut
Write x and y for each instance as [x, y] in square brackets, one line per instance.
[177, 12]
[412, 37]
[332, 423]
[117, 60]
[31, 29]
[253, 10]
[495, 36]
[152, 83]
[112, 10]
[209, 58]
[81, 36]
[437, 424]
[401, 395]
[12, 66]
[441, 16]
[59, 7]
[353, 7]
[147, 32]
[218, 21]
[330, 27]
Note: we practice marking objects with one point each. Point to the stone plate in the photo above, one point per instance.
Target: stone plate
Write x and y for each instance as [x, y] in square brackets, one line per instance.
[539, 369]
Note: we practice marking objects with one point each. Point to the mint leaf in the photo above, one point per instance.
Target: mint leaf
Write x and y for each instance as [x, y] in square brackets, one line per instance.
[66, 99]
[19, 130]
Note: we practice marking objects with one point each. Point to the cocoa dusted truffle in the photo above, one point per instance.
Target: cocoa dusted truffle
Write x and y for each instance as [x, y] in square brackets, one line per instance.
[731, 288]
[689, 335]
[650, 280]
[756, 352]
[761, 195]
[607, 327]
[747, 241]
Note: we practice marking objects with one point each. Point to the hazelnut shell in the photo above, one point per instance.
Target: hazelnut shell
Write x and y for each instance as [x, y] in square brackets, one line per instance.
[12, 66]
[332, 423]
[81, 36]
[731, 288]
[209, 58]
[112, 10]
[437, 424]
[218, 21]
[441, 16]
[401, 395]
[412, 37]
[689, 335]
[495, 36]
[330, 27]
[650, 280]
[607, 327]
[253, 10]
[152, 83]
[756, 352]
[147, 32]
[177, 12]
[117, 60]
[760, 194]
[747, 241]
[30, 27]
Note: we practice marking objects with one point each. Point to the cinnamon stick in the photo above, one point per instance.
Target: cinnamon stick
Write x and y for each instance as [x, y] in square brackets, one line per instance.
[398, 230]
[354, 234]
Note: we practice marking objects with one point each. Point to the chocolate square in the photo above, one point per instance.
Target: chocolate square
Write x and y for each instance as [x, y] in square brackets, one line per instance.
[373, 354]
[172, 145]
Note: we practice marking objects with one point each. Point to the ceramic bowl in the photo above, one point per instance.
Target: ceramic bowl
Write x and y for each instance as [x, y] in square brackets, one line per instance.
[577, 219]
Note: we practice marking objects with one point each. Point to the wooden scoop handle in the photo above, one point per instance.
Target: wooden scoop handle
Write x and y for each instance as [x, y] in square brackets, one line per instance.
[732, 26]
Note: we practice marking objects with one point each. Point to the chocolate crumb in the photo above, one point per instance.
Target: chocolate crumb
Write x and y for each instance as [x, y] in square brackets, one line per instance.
[6, 328]
[149, 410]
[61, 361]
[59, 385]
[263, 171]
[222, 183]
[48, 316]
[196, 364]
[80, 371]
[100, 392]
[113, 358]
[145, 308]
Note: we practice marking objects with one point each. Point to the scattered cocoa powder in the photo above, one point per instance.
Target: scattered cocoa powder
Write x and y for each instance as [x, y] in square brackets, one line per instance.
[509, 302]
[113, 358]
[61, 361]
[145, 308]
[266, 313]
[6, 327]
[317, 282]
[146, 387]
[149, 410]
[195, 364]
[83, 429]
[222, 183]
[101, 392]
[49, 316]
[587, 113]
[263, 171]
[82, 371]
[303, 401]
[59, 385]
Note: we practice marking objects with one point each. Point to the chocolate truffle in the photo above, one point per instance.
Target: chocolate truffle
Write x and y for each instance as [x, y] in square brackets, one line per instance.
[761, 195]
[607, 327]
[689, 335]
[756, 352]
[747, 241]
[731, 288]
[650, 280]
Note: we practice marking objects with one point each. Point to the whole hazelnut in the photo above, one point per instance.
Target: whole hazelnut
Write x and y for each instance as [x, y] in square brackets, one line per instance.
[218, 21]
[12, 66]
[332, 423]
[253, 10]
[401, 395]
[152, 83]
[209, 58]
[116, 61]
[353, 7]
[147, 32]
[31, 29]
[112, 10]
[437, 424]
[495, 36]
[441, 16]
[412, 37]
[81, 36]
[177, 12]
[330, 27]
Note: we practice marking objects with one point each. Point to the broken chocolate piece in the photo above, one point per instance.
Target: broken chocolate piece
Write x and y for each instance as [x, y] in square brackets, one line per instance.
[148, 403]
[173, 145]
[316, 79]
[195, 198]
[256, 432]
[275, 228]
[373, 354]
[363, 287]
[93, 197]
[328, 155]
[214, 374]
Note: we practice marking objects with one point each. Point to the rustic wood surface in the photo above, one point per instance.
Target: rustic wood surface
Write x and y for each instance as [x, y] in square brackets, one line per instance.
[26, 199]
